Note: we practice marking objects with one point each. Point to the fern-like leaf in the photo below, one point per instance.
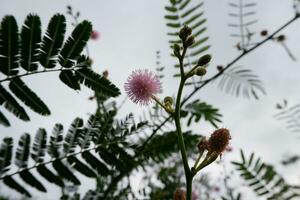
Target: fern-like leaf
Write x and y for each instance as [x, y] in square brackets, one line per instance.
[69, 78]
[52, 41]
[65, 172]
[71, 139]
[95, 163]
[12, 105]
[49, 175]
[290, 115]
[26, 95]
[263, 179]
[56, 139]
[97, 82]
[81, 167]
[9, 46]
[30, 43]
[240, 81]
[23, 151]
[197, 110]
[10, 182]
[3, 120]
[5, 154]
[31, 180]
[75, 44]
[39, 146]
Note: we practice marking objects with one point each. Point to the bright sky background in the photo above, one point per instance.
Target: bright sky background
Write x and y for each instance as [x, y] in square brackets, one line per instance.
[131, 33]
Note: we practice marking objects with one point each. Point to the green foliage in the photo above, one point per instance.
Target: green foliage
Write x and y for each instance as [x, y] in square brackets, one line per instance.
[290, 115]
[26, 51]
[263, 179]
[197, 110]
[239, 81]
[180, 13]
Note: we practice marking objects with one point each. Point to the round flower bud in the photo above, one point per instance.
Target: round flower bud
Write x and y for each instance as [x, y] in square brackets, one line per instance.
[200, 71]
[219, 140]
[204, 60]
[190, 41]
[264, 33]
[185, 32]
[168, 100]
[281, 38]
[176, 50]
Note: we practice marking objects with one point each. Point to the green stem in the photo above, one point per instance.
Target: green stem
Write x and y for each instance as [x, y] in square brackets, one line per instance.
[188, 174]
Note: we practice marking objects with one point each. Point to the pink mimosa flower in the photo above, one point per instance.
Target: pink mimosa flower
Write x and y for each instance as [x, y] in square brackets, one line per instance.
[95, 35]
[141, 86]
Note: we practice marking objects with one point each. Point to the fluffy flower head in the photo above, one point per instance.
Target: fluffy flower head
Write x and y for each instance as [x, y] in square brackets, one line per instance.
[141, 85]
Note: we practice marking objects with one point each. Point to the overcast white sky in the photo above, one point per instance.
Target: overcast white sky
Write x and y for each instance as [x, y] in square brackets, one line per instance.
[133, 30]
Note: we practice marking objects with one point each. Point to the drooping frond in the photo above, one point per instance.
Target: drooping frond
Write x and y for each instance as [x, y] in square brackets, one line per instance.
[239, 81]
[23, 52]
[190, 13]
[243, 12]
[263, 179]
[197, 110]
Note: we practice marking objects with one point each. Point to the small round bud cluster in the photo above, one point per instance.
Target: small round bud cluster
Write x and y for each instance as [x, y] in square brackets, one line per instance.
[186, 37]
[185, 32]
[105, 74]
[264, 33]
[179, 194]
[219, 140]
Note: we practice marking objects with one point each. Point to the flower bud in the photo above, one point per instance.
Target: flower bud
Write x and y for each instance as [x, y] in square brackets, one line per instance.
[190, 41]
[204, 60]
[219, 140]
[176, 50]
[168, 100]
[200, 71]
[264, 33]
[281, 38]
[185, 32]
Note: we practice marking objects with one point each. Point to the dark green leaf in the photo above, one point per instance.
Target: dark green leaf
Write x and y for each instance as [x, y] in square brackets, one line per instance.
[5, 154]
[10, 182]
[9, 46]
[22, 153]
[12, 105]
[31, 180]
[75, 44]
[97, 82]
[68, 77]
[3, 120]
[65, 172]
[50, 176]
[81, 167]
[52, 41]
[95, 163]
[30, 42]
[54, 148]
[71, 139]
[39, 146]
[26, 95]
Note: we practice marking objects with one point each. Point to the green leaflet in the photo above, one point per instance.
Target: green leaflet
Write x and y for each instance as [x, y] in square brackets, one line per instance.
[9, 46]
[52, 41]
[30, 42]
[26, 95]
